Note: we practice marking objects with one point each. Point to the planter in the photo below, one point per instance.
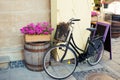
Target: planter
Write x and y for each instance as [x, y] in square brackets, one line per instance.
[33, 55]
[37, 38]
[94, 19]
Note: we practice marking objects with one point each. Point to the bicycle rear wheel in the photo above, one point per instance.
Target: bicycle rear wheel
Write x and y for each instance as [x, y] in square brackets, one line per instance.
[96, 51]
[56, 68]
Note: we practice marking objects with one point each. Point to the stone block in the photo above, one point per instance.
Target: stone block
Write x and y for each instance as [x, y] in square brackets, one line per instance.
[4, 62]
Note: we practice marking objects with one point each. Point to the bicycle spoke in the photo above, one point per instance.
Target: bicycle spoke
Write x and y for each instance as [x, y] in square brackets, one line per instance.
[58, 69]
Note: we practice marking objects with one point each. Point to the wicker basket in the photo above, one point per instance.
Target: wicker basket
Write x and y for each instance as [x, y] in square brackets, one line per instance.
[37, 38]
[62, 32]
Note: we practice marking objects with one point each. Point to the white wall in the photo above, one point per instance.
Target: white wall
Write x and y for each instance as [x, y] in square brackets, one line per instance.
[81, 9]
[63, 10]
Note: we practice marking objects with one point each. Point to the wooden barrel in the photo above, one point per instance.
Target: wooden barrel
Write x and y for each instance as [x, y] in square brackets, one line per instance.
[115, 17]
[115, 26]
[33, 55]
[115, 29]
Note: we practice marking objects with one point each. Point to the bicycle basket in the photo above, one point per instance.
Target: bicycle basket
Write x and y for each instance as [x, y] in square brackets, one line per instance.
[62, 32]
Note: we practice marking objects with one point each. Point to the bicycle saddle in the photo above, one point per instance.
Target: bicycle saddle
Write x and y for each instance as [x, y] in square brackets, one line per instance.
[91, 29]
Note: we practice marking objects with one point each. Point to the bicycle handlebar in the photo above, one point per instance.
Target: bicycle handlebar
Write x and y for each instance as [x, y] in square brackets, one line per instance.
[75, 19]
[72, 19]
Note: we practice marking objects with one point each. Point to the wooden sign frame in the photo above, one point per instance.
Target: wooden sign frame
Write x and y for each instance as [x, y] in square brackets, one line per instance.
[104, 29]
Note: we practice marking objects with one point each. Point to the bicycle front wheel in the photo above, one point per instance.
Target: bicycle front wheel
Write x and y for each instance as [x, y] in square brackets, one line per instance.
[57, 68]
[96, 51]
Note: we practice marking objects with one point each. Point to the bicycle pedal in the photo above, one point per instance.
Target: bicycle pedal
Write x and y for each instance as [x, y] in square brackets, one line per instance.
[69, 62]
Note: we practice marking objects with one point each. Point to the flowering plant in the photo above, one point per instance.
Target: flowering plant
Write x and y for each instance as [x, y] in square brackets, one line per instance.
[94, 13]
[37, 29]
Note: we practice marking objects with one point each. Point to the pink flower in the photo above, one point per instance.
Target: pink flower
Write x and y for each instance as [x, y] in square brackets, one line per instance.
[45, 24]
[39, 31]
[31, 32]
[39, 28]
[94, 13]
[38, 25]
[44, 28]
[32, 25]
[22, 30]
[46, 33]
[51, 29]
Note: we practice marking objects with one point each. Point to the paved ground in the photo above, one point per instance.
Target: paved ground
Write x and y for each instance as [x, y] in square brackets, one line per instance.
[107, 66]
[113, 67]
[114, 64]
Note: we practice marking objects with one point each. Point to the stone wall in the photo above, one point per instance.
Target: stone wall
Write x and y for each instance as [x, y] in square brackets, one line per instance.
[13, 15]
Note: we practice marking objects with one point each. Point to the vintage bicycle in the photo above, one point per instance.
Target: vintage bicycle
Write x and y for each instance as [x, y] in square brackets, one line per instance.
[56, 62]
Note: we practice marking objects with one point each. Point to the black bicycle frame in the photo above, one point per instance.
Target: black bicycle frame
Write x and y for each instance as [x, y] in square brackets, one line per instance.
[71, 42]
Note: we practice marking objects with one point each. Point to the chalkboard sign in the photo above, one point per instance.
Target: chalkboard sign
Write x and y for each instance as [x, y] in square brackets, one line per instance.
[103, 29]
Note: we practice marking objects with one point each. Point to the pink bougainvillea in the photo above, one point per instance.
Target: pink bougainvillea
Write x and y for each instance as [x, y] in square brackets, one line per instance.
[37, 29]
[94, 13]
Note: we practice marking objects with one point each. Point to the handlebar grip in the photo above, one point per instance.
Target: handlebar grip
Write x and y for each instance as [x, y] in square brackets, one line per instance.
[75, 19]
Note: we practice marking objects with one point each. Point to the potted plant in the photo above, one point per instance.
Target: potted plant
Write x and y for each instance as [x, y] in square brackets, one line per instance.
[37, 32]
[37, 41]
[94, 16]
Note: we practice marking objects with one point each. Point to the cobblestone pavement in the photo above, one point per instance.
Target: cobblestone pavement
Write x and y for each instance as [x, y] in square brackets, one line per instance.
[114, 64]
[109, 67]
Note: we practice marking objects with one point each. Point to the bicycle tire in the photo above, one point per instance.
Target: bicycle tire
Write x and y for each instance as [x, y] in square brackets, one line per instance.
[96, 50]
[57, 69]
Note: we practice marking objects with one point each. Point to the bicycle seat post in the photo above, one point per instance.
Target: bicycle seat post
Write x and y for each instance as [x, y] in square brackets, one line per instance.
[92, 30]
